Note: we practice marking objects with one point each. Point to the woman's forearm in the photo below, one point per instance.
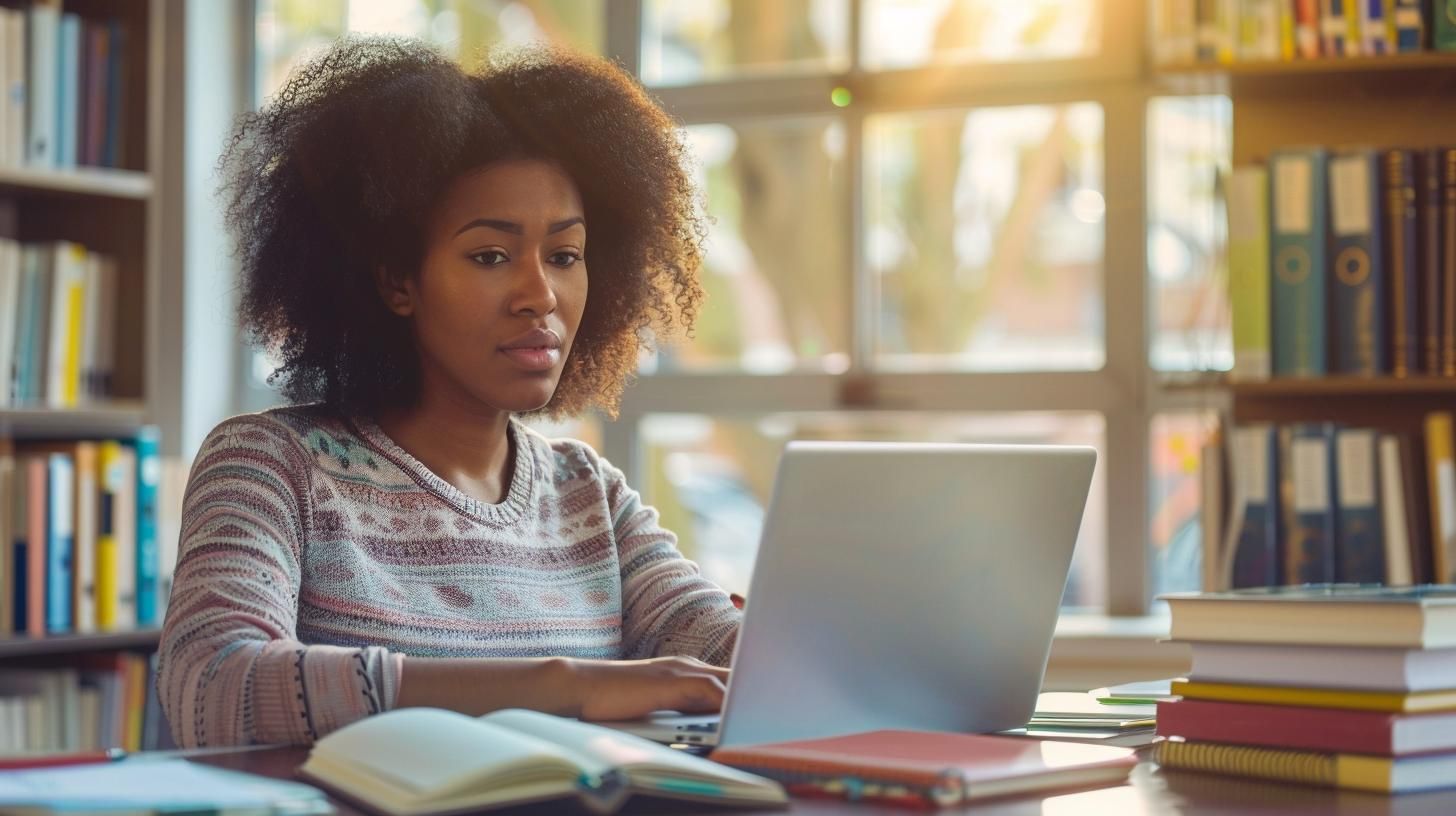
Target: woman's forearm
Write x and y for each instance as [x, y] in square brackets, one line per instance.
[478, 686]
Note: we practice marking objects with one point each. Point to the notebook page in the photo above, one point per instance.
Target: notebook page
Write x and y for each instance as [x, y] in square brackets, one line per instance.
[427, 753]
[142, 784]
[600, 750]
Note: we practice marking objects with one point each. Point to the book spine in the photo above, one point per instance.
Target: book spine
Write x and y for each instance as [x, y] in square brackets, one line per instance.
[1443, 38]
[10, 275]
[1441, 467]
[149, 472]
[83, 588]
[115, 79]
[1228, 21]
[1247, 207]
[1297, 727]
[1431, 296]
[42, 43]
[1310, 545]
[1393, 513]
[112, 466]
[1357, 268]
[1334, 29]
[60, 541]
[1408, 23]
[1448, 262]
[9, 518]
[1307, 29]
[1288, 49]
[1298, 243]
[1401, 250]
[1360, 557]
[1373, 40]
[35, 538]
[1256, 485]
[68, 69]
[1206, 30]
[1303, 767]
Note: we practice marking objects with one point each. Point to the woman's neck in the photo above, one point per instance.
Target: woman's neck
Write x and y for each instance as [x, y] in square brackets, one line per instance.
[468, 447]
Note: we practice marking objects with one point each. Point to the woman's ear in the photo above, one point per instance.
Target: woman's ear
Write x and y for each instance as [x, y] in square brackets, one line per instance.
[395, 290]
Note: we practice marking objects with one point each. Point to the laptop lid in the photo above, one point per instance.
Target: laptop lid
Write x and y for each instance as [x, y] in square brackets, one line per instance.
[910, 586]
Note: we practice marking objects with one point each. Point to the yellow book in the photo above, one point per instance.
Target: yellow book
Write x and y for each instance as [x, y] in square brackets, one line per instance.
[71, 368]
[1441, 475]
[111, 463]
[1388, 701]
[1349, 771]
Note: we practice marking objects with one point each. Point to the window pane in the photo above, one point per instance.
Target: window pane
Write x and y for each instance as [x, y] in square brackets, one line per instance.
[777, 268]
[1189, 145]
[1175, 499]
[984, 231]
[711, 477]
[687, 42]
[290, 31]
[914, 33]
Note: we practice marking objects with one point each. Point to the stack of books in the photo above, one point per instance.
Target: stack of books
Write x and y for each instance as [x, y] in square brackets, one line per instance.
[1335, 685]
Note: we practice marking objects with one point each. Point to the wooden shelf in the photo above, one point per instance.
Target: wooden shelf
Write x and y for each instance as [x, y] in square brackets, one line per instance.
[1416, 73]
[91, 181]
[73, 644]
[1382, 387]
[1384, 402]
[111, 419]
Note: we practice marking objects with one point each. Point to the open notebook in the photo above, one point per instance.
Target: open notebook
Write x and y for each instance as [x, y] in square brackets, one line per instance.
[430, 761]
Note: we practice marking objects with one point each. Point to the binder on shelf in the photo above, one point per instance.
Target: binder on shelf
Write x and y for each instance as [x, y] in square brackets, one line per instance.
[1358, 271]
[1360, 555]
[1402, 246]
[1431, 254]
[1255, 550]
[1247, 205]
[1298, 239]
[1407, 25]
[1309, 512]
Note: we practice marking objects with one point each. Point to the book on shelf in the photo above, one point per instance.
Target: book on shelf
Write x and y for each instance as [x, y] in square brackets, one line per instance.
[1441, 478]
[1247, 202]
[1187, 32]
[1307, 476]
[82, 551]
[1444, 36]
[1356, 251]
[428, 761]
[63, 76]
[924, 769]
[1298, 237]
[95, 702]
[58, 310]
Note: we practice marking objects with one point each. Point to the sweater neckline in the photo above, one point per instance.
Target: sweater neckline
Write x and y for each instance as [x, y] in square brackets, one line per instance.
[518, 497]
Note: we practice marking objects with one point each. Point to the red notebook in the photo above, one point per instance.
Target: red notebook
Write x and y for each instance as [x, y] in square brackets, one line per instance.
[929, 769]
[1316, 729]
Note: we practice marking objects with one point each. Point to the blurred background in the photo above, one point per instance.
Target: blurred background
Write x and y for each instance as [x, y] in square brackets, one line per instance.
[953, 220]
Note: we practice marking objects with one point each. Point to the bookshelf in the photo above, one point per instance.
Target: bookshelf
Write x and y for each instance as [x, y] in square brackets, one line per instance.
[120, 211]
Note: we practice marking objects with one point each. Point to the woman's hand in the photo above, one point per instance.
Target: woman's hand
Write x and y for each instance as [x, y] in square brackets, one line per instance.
[626, 689]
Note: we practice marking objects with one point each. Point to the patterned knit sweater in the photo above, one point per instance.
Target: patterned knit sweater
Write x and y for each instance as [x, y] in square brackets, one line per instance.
[316, 554]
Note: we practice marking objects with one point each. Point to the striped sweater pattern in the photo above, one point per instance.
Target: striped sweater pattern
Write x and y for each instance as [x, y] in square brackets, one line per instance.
[316, 554]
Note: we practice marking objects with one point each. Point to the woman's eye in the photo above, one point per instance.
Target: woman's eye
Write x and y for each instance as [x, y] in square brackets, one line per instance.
[564, 259]
[490, 257]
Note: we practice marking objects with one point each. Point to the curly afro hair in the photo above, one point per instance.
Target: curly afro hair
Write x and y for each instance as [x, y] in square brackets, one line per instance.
[335, 177]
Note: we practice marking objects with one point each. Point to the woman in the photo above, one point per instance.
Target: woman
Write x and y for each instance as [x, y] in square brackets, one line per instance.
[413, 242]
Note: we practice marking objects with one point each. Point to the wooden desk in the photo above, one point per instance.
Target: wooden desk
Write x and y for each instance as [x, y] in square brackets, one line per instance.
[1151, 791]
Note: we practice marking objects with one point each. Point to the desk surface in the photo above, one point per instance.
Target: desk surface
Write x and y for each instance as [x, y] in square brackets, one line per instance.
[1150, 791]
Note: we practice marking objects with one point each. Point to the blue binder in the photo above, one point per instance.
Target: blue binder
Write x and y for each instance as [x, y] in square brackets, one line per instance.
[1297, 244]
[1358, 264]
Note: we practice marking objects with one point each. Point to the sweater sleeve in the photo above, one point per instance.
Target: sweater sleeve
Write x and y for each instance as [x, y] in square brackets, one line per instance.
[668, 607]
[231, 670]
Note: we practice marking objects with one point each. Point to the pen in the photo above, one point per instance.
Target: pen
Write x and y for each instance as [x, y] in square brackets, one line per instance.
[21, 762]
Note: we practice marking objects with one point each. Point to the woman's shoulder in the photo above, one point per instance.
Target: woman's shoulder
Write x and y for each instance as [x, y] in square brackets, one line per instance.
[565, 459]
[292, 428]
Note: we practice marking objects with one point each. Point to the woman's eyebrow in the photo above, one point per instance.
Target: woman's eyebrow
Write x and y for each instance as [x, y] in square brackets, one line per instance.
[516, 229]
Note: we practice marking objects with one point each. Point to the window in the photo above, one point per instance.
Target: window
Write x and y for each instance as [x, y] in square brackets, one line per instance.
[958, 220]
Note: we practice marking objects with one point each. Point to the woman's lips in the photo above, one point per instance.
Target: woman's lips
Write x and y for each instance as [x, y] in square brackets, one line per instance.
[537, 358]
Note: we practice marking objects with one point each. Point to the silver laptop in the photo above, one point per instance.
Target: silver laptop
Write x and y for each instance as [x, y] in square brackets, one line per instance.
[911, 586]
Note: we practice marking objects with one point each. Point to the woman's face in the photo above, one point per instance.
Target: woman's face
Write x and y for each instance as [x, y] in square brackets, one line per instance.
[501, 291]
